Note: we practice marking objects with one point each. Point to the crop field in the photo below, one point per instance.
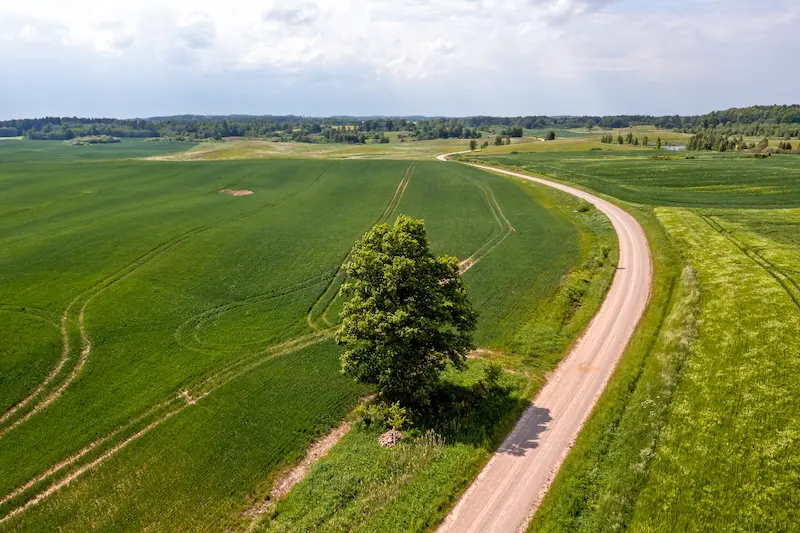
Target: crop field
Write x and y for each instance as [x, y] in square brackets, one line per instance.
[706, 181]
[23, 151]
[697, 430]
[165, 348]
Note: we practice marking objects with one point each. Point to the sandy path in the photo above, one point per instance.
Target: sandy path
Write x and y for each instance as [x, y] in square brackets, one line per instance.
[507, 492]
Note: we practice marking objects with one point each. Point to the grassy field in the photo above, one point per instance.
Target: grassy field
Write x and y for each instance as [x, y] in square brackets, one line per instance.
[709, 180]
[164, 351]
[19, 150]
[697, 429]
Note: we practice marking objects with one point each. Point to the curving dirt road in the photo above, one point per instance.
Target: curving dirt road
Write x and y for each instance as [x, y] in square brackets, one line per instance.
[507, 492]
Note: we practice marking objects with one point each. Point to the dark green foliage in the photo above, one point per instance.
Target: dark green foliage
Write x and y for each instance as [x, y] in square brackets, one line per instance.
[407, 316]
[551, 136]
[94, 139]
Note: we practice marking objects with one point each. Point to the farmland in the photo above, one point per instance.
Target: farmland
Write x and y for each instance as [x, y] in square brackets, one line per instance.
[697, 429]
[635, 176]
[165, 345]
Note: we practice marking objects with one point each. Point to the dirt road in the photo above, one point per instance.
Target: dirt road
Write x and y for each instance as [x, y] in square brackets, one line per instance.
[507, 492]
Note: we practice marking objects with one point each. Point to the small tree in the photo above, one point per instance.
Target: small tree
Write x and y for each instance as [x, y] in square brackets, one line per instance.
[619, 139]
[763, 143]
[551, 136]
[407, 316]
[473, 144]
[498, 140]
[645, 141]
[658, 143]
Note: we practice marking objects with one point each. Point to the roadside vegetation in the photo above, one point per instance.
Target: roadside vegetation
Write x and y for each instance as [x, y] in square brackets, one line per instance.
[696, 431]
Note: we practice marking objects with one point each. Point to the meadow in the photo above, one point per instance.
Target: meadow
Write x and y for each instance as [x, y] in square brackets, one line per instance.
[165, 345]
[697, 430]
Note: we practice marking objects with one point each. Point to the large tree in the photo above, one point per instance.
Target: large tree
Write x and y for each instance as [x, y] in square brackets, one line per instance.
[407, 316]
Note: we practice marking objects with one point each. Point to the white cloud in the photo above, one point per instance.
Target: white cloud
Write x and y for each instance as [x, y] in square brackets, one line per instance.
[437, 43]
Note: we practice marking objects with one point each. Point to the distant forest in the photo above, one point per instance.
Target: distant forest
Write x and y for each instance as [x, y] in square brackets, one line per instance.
[777, 121]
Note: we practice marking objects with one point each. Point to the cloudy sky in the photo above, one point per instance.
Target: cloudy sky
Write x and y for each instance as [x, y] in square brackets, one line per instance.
[395, 57]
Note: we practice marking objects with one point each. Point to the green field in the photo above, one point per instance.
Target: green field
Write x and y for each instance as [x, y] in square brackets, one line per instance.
[164, 348]
[697, 430]
[25, 151]
[634, 176]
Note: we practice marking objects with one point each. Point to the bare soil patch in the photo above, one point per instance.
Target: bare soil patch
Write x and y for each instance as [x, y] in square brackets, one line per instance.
[237, 192]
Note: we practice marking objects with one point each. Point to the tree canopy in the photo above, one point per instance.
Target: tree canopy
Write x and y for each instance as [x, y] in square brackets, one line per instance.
[407, 315]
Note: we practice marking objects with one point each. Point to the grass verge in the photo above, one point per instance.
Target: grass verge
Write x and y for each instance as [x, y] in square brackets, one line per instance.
[598, 482]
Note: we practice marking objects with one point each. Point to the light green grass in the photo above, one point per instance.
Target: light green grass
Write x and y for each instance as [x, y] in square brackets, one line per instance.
[734, 420]
[696, 429]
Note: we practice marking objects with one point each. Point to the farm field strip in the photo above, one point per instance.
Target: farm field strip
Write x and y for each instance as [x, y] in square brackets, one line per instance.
[739, 382]
[68, 322]
[705, 181]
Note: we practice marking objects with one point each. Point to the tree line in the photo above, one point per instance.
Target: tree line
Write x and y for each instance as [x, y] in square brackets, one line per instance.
[760, 121]
[629, 139]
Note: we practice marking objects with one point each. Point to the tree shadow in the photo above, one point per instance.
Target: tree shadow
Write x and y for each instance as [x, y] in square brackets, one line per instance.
[527, 432]
[479, 415]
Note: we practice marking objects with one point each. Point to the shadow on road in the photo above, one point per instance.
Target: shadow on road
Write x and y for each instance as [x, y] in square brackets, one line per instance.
[529, 429]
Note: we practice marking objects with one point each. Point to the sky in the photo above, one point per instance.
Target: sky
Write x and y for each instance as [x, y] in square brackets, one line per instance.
[146, 58]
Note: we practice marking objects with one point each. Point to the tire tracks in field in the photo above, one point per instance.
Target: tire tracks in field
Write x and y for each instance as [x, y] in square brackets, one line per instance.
[787, 283]
[328, 295]
[96, 453]
[505, 229]
[184, 399]
[187, 334]
[14, 416]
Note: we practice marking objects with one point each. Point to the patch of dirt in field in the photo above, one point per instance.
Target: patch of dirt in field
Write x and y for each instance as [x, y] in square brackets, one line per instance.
[317, 450]
[237, 192]
[465, 265]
